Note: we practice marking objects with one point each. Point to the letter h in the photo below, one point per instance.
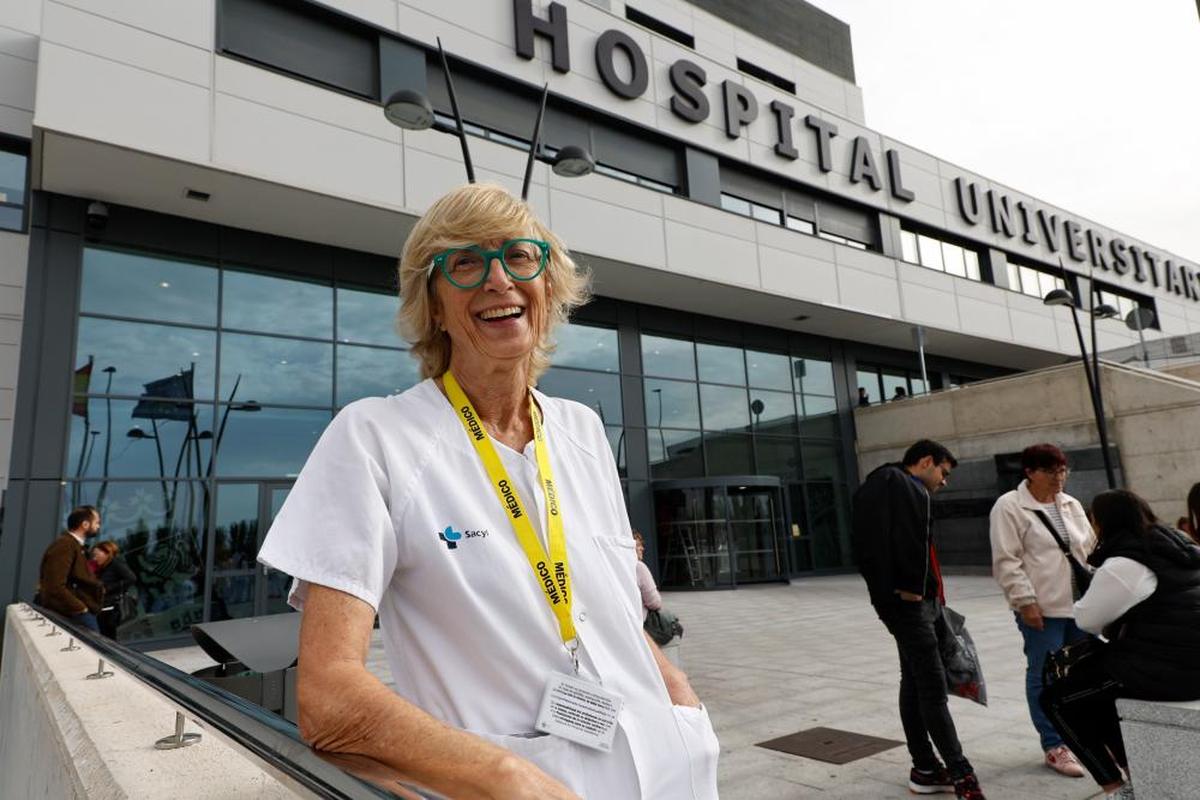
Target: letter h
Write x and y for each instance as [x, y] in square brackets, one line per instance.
[554, 29]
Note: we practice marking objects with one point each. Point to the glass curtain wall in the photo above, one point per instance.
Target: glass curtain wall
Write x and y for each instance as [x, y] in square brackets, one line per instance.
[194, 385]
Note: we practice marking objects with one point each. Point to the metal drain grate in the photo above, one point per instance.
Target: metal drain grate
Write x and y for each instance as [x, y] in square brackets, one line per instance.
[830, 745]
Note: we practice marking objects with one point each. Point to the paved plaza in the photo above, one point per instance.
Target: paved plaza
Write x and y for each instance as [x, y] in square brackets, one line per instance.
[773, 660]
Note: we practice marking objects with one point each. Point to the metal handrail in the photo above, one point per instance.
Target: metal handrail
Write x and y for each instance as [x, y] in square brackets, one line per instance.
[272, 740]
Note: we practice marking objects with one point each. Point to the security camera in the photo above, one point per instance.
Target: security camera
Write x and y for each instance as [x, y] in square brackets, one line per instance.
[97, 215]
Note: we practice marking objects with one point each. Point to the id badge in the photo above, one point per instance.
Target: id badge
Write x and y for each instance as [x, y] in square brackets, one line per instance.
[579, 711]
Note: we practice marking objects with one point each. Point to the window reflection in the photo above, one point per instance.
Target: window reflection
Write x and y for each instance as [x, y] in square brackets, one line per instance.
[729, 454]
[598, 391]
[671, 403]
[724, 407]
[668, 358]
[721, 364]
[769, 370]
[235, 532]
[366, 316]
[164, 546]
[270, 442]
[254, 302]
[778, 456]
[125, 438]
[675, 454]
[142, 353]
[616, 440]
[586, 347]
[14, 185]
[268, 369]
[813, 376]
[774, 412]
[373, 372]
[822, 460]
[127, 285]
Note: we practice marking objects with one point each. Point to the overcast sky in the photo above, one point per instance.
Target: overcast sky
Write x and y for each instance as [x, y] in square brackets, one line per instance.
[1092, 105]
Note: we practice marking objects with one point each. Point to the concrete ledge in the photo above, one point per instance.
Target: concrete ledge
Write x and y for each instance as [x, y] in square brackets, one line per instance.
[1161, 740]
[64, 736]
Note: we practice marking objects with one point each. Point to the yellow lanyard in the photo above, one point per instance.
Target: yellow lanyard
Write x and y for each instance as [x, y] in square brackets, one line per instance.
[553, 574]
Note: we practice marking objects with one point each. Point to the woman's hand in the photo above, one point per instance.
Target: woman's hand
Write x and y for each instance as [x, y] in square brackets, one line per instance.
[680, 689]
[518, 779]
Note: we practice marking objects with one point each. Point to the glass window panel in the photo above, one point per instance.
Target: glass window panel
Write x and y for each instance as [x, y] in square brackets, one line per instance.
[931, 252]
[366, 316]
[128, 285]
[766, 214]
[735, 204]
[267, 369]
[821, 460]
[869, 379]
[599, 391]
[721, 364]
[829, 531]
[232, 597]
[373, 372]
[952, 258]
[235, 531]
[616, 440]
[139, 353]
[274, 304]
[777, 455]
[164, 546]
[971, 259]
[729, 453]
[724, 407]
[1047, 283]
[101, 444]
[13, 188]
[815, 405]
[675, 454]
[856, 245]
[918, 385]
[801, 225]
[820, 425]
[668, 358]
[813, 376]
[586, 347]
[908, 246]
[1030, 283]
[769, 370]
[672, 403]
[774, 412]
[269, 442]
[1014, 276]
[893, 381]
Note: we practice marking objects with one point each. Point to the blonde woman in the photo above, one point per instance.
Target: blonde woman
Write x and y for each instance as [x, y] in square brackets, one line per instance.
[484, 523]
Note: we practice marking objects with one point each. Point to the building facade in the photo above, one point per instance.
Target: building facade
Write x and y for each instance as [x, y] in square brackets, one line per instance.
[202, 209]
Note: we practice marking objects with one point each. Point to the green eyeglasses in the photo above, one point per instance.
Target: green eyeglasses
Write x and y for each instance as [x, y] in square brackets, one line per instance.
[468, 267]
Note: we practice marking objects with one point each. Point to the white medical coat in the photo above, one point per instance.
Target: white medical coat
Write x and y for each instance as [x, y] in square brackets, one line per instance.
[467, 631]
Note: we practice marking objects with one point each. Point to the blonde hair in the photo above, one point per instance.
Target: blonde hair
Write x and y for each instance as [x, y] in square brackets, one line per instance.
[474, 213]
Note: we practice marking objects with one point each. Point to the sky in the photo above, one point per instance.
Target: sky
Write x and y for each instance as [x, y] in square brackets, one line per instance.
[1090, 105]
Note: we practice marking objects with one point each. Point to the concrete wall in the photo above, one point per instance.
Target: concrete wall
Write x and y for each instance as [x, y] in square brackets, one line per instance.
[63, 736]
[1153, 422]
[1189, 372]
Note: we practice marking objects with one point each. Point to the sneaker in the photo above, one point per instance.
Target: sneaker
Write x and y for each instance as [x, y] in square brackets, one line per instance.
[967, 788]
[1124, 793]
[936, 781]
[1063, 761]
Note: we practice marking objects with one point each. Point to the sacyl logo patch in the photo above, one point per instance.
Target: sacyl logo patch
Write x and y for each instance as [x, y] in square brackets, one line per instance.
[452, 537]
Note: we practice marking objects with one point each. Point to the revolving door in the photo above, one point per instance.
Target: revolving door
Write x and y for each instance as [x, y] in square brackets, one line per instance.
[720, 532]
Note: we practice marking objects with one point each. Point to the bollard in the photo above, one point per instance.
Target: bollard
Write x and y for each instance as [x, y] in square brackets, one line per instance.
[179, 738]
[54, 632]
[71, 646]
[100, 673]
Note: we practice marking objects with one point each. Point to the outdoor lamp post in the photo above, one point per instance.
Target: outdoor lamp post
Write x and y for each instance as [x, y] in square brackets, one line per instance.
[1138, 320]
[1064, 297]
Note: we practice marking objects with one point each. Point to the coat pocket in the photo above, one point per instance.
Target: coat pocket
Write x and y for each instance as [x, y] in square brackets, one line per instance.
[702, 746]
[556, 757]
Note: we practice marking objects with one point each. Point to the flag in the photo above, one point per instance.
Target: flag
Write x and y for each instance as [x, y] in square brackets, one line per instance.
[176, 394]
[79, 385]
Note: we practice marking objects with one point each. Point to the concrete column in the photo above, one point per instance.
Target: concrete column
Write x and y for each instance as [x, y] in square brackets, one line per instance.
[994, 268]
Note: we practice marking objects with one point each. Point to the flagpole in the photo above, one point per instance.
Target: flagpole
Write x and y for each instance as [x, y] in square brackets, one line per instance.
[107, 437]
[87, 429]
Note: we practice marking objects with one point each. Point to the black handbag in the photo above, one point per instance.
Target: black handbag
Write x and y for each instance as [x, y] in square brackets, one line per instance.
[1067, 659]
[1081, 576]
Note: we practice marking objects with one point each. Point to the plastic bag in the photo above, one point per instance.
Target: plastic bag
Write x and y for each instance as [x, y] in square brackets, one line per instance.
[663, 626]
[960, 658]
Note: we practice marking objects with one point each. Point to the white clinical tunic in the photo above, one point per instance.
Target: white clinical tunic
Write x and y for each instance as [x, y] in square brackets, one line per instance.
[466, 628]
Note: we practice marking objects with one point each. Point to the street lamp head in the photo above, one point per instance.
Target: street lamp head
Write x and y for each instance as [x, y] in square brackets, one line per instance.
[249, 405]
[1059, 297]
[137, 433]
[204, 435]
[1105, 311]
[110, 370]
[572, 161]
[1140, 318]
[409, 109]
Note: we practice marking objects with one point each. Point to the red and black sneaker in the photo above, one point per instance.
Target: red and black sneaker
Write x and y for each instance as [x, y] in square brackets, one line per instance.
[937, 781]
[967, 788]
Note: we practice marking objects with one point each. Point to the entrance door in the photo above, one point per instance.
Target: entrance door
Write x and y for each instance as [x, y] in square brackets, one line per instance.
[240, 587]
[717, 533]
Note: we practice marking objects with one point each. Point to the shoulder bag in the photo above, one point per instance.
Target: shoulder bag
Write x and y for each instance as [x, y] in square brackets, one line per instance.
[1081, 576]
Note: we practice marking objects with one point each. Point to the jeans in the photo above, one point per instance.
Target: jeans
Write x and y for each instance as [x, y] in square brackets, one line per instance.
[1083, 708]
[1057, 631]
[924, 711]
[87, 620]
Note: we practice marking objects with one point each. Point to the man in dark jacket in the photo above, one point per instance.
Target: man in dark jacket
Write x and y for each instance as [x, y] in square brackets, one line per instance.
[65, 584]
[893, 541]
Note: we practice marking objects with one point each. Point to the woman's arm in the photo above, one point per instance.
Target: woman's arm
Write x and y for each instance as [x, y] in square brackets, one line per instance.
[678, 686]
[651, 599]
[1119, 585]
[343, 708]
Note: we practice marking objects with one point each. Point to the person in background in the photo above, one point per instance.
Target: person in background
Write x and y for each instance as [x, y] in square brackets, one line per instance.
[1145, 600]
[118, 579]
[893, 542]
[864, 399]
[901, 394]
[651, 599]
[1031, 568]
[1192, 520]
[65, 584]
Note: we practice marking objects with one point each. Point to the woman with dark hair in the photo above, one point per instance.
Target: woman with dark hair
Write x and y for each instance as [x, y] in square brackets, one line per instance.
[1145, 600]
[1191, 524]
[107, 564]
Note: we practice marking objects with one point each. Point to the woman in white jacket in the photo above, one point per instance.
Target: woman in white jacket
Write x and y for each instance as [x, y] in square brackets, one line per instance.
[1029, 527]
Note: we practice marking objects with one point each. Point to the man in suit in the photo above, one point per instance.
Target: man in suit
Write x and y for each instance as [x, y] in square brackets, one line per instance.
[65, 584]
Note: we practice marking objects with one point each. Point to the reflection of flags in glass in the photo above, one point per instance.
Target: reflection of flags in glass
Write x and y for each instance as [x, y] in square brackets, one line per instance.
[80, 383]
[178, 387]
